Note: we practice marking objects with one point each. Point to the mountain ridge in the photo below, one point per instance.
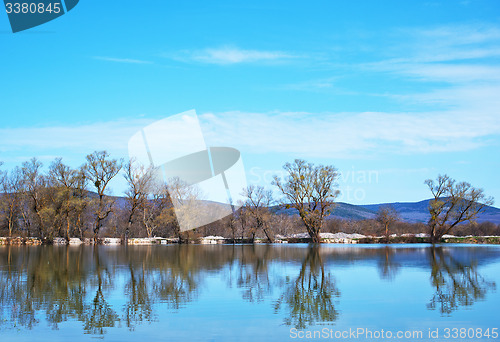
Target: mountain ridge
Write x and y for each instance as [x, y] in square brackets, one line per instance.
[411, 212]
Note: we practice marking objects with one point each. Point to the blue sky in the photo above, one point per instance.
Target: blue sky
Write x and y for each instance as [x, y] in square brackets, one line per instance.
[389, 92]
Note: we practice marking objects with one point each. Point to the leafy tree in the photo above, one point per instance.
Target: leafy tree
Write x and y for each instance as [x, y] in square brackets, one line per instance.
[311, 190]
[453, 203]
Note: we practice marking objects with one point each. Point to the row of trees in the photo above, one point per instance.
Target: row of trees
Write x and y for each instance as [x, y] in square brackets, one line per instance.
[67, 202]
[74, 202]
[311, 190]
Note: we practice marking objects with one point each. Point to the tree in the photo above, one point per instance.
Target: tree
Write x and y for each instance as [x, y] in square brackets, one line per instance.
[140, 182]
[100, 169]
[257, 205]
[311, 190]
[35, 184]
[7, 200]
[185, 208]
[387, 215]
[68, 186]
[453, 203]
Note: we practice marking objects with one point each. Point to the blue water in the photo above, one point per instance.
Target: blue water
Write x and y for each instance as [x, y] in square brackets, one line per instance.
[250, 293]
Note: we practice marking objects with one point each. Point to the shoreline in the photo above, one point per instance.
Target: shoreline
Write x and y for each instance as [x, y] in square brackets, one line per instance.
[327, 238]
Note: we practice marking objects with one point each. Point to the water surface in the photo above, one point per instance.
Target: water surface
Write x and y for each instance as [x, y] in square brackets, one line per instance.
[249, 292]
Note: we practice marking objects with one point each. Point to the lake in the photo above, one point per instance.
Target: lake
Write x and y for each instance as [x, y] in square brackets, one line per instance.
[250, 292]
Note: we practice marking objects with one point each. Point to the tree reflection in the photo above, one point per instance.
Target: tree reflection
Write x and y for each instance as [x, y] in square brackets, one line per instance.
[309, 298]
[139, 306]
[456, 283]
[387, 266]
[99, 314]
[105, 287]
[253, 272]
[47, 280]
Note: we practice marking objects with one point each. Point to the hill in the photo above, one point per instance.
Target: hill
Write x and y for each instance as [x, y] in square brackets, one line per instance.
[417, 211]
[411, 212]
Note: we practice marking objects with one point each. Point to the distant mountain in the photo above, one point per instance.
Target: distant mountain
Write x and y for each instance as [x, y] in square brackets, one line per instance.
[418, 211]
[342, 210]
[411, 212]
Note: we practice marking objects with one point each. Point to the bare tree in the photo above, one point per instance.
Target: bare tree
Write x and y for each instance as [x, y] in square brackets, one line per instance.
[34, 187]
[453, 203]
[387, 215]
[7, 203]
[140, 182]
[158, 211]
[100, 169]
[258, 201]
[242, 216]
[68, 186]
[186, 207]
[311, 190]
[79, 201]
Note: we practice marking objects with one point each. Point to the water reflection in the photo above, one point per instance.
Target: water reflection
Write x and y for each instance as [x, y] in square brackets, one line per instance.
[253, 272]
[310, 297]
[387, 265]
[457, 283]
[104, 287]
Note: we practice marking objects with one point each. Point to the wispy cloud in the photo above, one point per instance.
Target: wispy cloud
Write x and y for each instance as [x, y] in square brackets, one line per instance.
[68, 141]
[455, 66]
[308, 135]
[452, 43]
[232, 55]
[313, 85]
[440, 72]
[350, 135]
[454, 53]
[122, 60]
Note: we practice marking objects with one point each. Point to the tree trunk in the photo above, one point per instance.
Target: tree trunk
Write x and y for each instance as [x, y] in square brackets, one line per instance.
[315, 236]
[269, 239]
[67, 227]
[253, 237]
[97, 226]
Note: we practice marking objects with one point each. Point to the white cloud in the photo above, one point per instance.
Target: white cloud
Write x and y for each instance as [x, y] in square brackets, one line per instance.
[454, 52]
[308, 135]
[457, 66]
[233, 55]
[313, 85]
[452, 35]
[441, 72]
[72, 141]
[122, 60]
[350, 135]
